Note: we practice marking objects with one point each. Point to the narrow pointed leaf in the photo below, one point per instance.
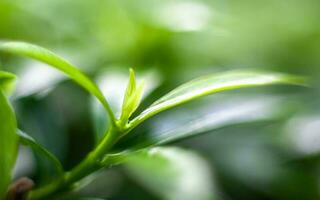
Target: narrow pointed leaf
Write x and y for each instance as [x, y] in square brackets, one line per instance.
[128, 97]
[8, 143]
[38, 148]
[215, 83]
[48, 57]
[130, 88]
[132, 97]
[136, 98]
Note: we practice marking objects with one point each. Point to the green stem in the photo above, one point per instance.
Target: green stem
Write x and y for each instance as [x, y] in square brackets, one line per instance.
[89, 165]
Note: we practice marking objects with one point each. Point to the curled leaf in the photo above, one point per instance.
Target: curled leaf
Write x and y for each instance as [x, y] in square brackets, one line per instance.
[48, 57]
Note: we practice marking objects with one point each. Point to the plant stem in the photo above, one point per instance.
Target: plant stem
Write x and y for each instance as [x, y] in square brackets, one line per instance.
[89, 165]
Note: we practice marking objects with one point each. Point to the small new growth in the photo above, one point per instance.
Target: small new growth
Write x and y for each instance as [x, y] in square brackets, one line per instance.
[131, 100]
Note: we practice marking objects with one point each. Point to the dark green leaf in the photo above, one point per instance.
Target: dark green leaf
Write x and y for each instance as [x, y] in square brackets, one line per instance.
[8, 143]
[29, 141]
[213, 84]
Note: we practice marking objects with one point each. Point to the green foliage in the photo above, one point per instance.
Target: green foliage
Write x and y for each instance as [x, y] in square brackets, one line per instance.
[261, 143]
[8, 143]
[165, 162]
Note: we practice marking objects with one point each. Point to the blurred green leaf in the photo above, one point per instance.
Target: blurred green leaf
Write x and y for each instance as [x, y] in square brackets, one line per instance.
[48, 57]
[6, 81]
[37, 147]
[213, 84]
[8, 143]
[172, 173]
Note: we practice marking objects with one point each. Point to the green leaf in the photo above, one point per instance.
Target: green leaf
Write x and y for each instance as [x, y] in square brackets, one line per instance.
[6, 81]
[208, 115]
[131, 87]
[8, 143]
[29, 141]
[132, 98]
[48, 57]
[172, 173]
[212, 84]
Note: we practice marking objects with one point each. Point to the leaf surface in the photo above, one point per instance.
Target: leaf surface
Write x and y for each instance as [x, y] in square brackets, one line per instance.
[8, 143]
[212, 84]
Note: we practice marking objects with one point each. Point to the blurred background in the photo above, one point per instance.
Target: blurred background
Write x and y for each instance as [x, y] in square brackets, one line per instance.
[258, 144]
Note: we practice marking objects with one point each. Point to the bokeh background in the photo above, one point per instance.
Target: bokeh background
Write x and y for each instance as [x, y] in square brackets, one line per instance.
[273, 156]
